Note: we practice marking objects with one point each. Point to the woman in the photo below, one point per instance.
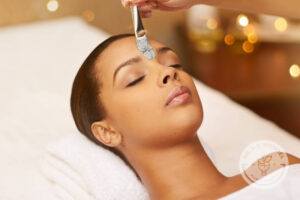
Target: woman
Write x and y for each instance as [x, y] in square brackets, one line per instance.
[121, 100]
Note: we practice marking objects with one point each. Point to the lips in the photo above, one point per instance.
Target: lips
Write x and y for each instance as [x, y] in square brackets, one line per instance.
[176, 92]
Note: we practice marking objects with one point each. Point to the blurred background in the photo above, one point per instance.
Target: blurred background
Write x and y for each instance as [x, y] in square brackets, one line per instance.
[254, 59]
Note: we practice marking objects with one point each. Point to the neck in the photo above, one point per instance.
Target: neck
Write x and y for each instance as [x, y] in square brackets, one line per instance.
[179, 172]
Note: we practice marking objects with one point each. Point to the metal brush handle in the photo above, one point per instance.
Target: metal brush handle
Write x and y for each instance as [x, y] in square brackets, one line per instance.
[137, 22]
[140, 34]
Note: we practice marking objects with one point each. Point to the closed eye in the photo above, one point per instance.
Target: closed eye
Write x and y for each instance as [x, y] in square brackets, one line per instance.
[176, 66]
[135, 81]
[142, 77]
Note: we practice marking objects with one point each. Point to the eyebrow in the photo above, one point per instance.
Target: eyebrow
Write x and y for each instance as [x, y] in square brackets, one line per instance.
[138, 59]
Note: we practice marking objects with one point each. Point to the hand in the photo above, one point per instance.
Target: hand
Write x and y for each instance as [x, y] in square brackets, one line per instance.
[147, 6]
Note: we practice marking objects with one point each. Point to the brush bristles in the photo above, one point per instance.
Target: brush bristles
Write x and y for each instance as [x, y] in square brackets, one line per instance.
[144, 46]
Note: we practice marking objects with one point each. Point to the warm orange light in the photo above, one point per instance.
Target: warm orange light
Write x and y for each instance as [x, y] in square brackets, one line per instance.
[88, 15]
[250, 29]
[248, 47]
[212, 23]
[229, 39]
[281, 24]
[252, 38]
[52, 5]
[294, 71]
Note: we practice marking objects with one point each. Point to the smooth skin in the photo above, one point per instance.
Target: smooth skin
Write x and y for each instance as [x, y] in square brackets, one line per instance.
[159, 142]
[285, 8]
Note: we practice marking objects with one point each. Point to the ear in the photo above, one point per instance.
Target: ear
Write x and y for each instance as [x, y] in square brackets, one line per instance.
[106, 134]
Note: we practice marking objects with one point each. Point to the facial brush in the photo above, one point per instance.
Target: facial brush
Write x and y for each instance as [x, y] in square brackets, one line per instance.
[140, 35]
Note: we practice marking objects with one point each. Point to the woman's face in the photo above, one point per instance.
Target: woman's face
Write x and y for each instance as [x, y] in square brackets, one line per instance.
[134, 95]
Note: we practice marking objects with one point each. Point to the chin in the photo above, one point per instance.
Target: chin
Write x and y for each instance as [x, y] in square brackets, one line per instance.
[187, 121]
[190, 120]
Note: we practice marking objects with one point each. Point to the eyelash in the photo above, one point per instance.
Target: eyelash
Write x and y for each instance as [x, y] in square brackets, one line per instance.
[176, 66]
[134, 82]
[141, 78]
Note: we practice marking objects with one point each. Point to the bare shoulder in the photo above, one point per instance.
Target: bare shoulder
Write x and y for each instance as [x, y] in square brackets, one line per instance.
[271, 162]
[277, 160]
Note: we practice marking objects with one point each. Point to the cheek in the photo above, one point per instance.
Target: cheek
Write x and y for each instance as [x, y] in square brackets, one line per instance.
[139, 115]
[137, 111]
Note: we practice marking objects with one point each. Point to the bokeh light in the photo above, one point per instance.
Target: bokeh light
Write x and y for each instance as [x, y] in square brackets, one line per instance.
[249, 29]
[88, 15]
[52, 5]
[248, 47]
[212, 23]
[242, 20]
[281, 24]
[229, 39]
[252, 38]
[294, 71]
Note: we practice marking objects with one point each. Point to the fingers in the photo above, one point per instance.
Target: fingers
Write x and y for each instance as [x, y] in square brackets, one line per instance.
[128, 3]
[145, 6]
[141, 3]
[145, 10]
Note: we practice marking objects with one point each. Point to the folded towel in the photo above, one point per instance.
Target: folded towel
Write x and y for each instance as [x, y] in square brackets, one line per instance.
[66, 182]
[86, 171]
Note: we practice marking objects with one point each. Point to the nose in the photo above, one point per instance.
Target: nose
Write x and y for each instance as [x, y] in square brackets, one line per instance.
[168, 74]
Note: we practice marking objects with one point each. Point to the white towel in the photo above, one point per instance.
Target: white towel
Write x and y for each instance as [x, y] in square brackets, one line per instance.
[82, 170]
[79, 169]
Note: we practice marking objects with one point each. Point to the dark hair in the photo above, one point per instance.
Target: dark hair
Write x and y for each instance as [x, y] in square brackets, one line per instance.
[86, 107]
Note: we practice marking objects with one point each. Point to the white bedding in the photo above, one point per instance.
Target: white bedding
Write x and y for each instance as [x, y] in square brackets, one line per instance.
[38, 63]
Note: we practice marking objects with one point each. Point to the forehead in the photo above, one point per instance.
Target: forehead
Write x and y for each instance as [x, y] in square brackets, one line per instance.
[118, 52]
[125, 48]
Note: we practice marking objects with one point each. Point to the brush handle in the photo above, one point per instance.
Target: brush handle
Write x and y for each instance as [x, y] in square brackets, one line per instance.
[137, 22]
